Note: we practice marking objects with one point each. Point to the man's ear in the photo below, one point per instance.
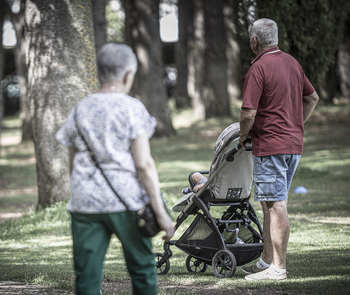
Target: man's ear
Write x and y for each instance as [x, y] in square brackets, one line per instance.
[255, 41]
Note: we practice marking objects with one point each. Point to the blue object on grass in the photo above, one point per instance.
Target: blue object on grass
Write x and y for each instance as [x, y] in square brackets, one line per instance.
[300, 190]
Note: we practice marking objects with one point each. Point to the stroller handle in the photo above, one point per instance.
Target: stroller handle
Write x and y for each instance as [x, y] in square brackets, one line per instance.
[231, 155]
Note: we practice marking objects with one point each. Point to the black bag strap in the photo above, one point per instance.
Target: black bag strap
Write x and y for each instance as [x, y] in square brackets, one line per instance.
[93, 158]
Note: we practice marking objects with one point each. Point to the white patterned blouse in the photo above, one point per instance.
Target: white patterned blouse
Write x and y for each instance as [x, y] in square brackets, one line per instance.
[109, 122]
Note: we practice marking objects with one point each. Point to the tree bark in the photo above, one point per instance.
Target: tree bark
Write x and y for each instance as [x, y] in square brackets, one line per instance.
[61, 66]
[99, 14]
[21, 70]
[344, 66]
[142, 34]
[185, 8]
[215, 72]
[196, 61]
[2, 103]
[234, 77]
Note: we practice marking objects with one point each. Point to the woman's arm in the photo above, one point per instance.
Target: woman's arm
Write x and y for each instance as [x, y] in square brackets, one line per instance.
[147, 171]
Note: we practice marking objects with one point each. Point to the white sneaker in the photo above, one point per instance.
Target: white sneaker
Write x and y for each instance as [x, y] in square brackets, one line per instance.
[266, 274]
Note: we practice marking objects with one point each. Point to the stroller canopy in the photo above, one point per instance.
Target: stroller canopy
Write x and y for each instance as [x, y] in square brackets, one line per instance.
[234, 181]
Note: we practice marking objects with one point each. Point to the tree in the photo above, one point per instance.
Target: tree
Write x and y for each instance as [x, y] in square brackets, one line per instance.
[2, 16]
[215, 69]
[234, 75]
[60, 57]
[344, 60]
[185, 9]
[196, 60]
[21, 70]
[311, 31]
[99, 14]
[142, 34]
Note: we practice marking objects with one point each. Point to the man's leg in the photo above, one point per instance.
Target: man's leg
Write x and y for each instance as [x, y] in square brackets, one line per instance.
[267, 254]
[272, 180]
[279, 231]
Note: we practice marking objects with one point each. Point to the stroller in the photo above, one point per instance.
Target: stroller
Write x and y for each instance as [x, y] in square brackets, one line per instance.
[236, 237]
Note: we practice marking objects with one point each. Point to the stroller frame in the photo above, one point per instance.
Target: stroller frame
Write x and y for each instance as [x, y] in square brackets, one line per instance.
[223, 257]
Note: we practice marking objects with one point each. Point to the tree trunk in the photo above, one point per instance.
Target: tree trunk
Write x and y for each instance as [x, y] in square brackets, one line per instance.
[215, 72]
[99, 14]
[329, 86]
[234, 77]
[61, 71]
[21, 70]
[344, 66]
[196, 61]
[2, 104]
[185, 8]
[142, 34]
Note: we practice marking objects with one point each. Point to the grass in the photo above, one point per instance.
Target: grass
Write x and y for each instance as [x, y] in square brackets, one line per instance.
[36, 248]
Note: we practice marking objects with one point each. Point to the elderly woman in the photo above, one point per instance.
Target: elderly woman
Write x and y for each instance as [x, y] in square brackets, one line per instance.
[117, 128]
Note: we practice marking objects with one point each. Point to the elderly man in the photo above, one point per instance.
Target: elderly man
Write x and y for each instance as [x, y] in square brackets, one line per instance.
[277, 100]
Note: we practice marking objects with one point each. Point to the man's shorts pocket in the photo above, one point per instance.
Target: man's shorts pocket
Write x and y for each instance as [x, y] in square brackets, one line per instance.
[265, 186]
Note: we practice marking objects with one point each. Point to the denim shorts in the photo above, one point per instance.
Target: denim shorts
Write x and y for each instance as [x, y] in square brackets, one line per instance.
[273, 176]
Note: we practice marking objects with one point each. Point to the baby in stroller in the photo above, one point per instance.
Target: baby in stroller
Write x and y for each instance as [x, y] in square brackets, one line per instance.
[235, 237]
[198, 181]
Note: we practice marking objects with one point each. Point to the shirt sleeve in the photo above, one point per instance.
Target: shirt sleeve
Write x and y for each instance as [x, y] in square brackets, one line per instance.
[141, 122]
[65, 135]
[307, 87]
[252, 91]
[68, 133]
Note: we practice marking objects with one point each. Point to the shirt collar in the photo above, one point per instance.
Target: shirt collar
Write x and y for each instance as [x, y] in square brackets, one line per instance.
[264, 52]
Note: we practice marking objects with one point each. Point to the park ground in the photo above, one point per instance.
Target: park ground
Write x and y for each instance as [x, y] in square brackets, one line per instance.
[35, 245]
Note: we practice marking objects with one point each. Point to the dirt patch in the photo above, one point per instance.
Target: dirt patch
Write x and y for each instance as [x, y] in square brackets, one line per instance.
[15, 288]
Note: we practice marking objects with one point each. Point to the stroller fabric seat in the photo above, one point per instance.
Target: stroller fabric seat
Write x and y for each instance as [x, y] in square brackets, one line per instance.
[235, 179]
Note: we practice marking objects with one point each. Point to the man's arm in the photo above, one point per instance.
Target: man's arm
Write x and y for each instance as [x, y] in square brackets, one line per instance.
[246, 122]
[309, 104]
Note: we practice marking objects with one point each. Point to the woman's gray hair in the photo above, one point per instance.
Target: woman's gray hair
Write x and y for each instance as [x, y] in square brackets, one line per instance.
[266, 31]
[114, 60]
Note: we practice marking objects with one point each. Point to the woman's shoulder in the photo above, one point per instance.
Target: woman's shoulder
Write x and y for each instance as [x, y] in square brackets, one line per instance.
[111, 98]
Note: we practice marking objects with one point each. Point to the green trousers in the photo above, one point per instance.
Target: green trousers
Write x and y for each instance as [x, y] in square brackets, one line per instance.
[91, 236]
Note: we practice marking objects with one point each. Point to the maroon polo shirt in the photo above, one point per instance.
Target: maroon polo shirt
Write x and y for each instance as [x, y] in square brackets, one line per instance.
[274, 86]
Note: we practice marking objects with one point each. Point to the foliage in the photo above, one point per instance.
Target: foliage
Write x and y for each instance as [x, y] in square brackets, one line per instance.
[115, 21]
[244, 16]
[310, 30]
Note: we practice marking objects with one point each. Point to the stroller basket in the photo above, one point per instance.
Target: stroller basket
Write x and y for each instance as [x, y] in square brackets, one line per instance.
[199, 241]
[233, 239]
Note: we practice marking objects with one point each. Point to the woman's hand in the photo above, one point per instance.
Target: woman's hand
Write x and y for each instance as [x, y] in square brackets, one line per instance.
[166, 223]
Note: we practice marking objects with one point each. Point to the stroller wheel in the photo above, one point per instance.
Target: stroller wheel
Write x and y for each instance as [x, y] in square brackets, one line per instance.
[195, 265]
[224, 264]
[163, 265]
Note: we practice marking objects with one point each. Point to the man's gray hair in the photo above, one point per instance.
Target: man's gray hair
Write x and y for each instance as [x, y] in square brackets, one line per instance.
[266, 31]
[114, 60]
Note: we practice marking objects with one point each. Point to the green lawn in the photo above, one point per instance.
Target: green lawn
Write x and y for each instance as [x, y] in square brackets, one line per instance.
[36, 248]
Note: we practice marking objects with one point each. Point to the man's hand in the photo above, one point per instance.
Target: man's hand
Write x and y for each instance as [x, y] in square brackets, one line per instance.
[242, 138]
[246, 122]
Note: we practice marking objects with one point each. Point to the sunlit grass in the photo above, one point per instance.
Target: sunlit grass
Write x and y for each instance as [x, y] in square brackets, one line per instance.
[37, 247]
